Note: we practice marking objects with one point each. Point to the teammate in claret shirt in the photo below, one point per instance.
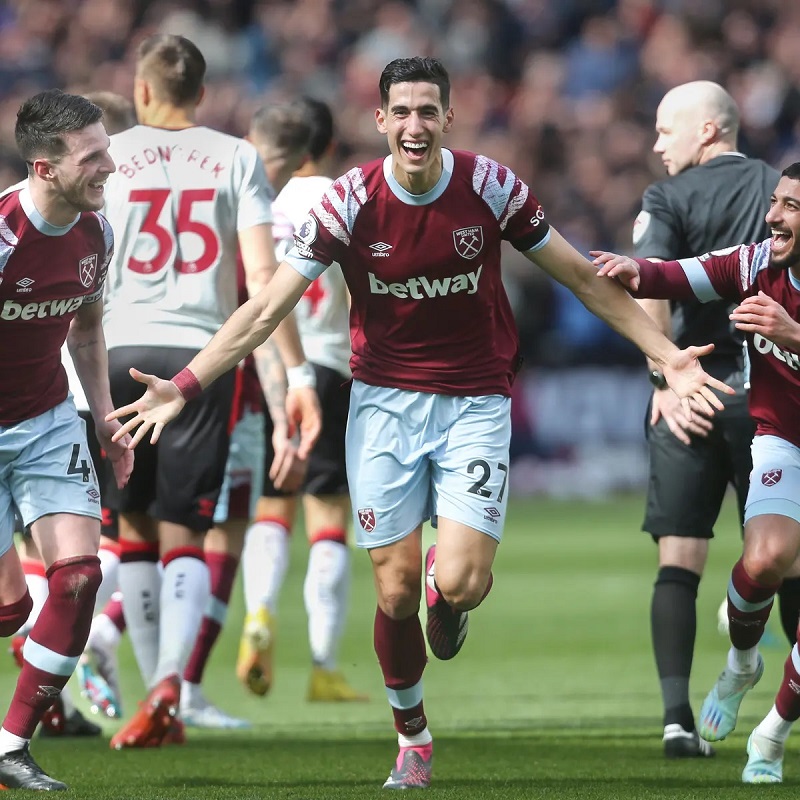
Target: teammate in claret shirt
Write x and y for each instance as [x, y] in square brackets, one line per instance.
[764, 279]
[435, 351]
[54, 253]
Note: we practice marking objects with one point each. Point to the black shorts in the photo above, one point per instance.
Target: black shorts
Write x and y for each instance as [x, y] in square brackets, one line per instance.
[327, 473]
[687, 483]
[177, 480]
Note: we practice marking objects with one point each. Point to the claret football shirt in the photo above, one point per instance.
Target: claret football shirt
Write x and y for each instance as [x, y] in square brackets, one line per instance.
[429, 311]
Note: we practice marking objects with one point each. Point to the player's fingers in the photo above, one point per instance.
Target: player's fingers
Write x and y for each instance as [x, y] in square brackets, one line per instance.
[719, 386]
[140, 433]
[122, 411]
[157, 428]
[126, 428]
[678, 431]
[142, 377]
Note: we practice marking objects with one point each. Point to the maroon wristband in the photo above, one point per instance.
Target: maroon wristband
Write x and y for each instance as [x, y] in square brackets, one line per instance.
[187, 384]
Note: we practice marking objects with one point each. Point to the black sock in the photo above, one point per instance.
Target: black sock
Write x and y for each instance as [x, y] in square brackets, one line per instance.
[673, 624]
[789, 605]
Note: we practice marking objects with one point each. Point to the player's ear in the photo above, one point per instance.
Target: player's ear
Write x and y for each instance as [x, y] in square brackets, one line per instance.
[41, 168]
[449, 115]
[380, 120]
[201, 95]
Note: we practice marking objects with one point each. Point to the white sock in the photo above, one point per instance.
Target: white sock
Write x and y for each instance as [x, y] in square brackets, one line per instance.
[10, 742]
[774, 727]
[417, 740]
[743, 661]
[39, 592]
[68, 702]
[325, 593]
[264, 563]
[140, 584]
[185, 588]
[109, 566]
[103, 633]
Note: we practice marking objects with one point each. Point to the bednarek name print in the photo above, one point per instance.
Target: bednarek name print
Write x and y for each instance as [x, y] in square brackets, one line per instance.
[422, 287]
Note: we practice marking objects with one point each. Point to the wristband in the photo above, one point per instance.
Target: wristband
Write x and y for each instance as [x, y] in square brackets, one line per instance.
[301, 376]
[187, 384]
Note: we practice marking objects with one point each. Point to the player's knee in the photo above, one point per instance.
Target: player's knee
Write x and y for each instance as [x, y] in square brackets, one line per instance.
[463, 592]
[75, 580]
[14, 615]
[400, 601]
[768, 561]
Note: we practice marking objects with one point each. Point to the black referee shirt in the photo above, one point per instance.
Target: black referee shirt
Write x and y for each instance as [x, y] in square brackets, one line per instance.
[716, 205]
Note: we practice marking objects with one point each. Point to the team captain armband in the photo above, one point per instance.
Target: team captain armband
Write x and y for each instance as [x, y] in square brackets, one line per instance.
[301, 376]
[187, 384]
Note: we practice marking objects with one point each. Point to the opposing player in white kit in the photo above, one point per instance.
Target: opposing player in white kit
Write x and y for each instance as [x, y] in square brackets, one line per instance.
[54, 252]
[322, 319]
[185, 200]
[765, 279]
[435, 351]
[280, 134]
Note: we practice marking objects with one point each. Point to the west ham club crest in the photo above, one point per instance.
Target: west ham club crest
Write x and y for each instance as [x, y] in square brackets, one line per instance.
[468, 241]
[366, 516]
[87, 269]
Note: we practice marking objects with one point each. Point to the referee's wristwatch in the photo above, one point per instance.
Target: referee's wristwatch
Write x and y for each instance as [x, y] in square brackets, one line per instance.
[657, 379]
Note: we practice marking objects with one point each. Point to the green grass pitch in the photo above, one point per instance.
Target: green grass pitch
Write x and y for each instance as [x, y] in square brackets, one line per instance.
[554, 695]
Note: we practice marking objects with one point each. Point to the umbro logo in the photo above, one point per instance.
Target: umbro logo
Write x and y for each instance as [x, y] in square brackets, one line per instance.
[379, 250]
[24, 284]
[794, 687]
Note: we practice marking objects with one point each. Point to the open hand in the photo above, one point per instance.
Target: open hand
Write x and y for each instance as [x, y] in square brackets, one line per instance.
[160, 404]
[667, 405]
[692, 384]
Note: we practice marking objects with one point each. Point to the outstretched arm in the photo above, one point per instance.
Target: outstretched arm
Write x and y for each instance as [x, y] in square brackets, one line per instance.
[249, 326]
[609, 301]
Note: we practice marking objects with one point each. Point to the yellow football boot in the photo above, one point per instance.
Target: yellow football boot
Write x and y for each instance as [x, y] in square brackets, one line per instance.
[330, 686]
[254, 664]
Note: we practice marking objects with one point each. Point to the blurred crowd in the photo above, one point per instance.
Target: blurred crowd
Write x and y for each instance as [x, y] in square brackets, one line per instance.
[564, 93]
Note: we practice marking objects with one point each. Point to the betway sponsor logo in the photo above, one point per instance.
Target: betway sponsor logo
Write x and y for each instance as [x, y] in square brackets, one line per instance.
[765, 346]
[47, 308]
[419, 288]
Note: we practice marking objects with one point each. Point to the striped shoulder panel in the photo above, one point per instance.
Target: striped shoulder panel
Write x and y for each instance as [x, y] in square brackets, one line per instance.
[8, 243]
[108, 236]
[499, 188]
[752, 259]
[339, 206]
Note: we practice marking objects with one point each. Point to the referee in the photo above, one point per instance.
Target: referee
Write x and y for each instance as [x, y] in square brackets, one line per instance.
[715, 197]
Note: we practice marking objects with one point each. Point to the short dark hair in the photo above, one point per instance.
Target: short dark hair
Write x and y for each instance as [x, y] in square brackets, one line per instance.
[415, 70]
[174, 65]
[118, 112]
[43, 119]
[321, 120]
[792, 172]
[284, 126]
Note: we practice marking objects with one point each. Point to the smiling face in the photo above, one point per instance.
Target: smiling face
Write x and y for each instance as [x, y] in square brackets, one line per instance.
[77, 179]
[783, 219]
[414, 122]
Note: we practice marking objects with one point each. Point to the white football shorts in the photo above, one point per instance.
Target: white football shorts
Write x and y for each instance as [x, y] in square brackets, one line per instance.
[45, 468]
[775, 479]
[412, 456]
